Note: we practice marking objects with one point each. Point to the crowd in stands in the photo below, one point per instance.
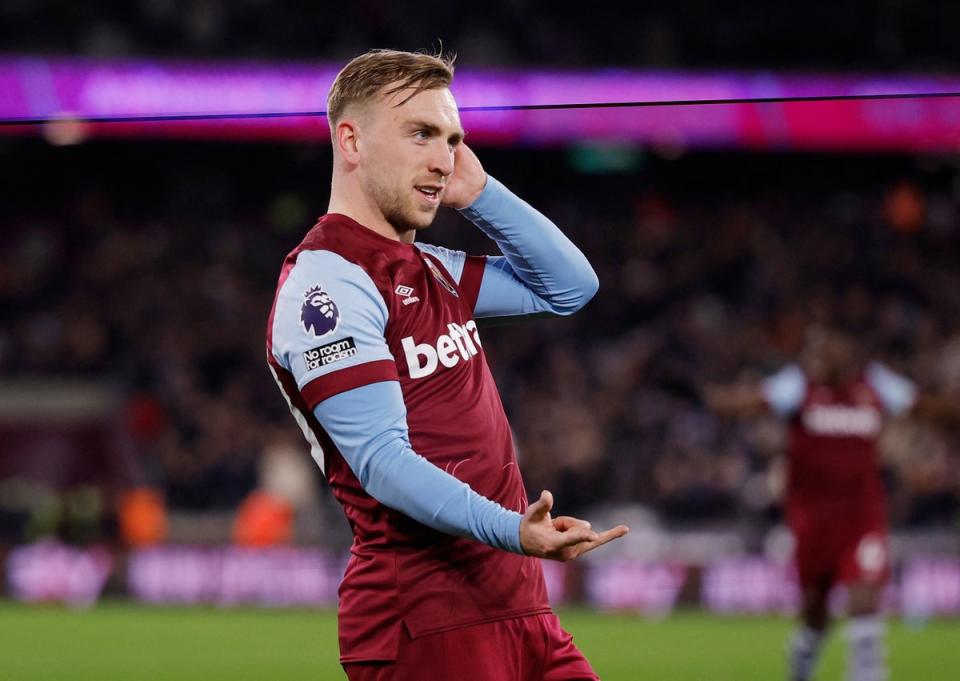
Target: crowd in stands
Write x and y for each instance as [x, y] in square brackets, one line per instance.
[898, 35]
[152, 267]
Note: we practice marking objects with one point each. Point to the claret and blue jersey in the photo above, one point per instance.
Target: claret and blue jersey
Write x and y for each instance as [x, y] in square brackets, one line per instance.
[374, 344]
[833, 433]
[836, 503]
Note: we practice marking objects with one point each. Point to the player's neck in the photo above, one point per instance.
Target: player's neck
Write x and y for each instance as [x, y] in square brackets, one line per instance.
[840, 377]
[348, 200]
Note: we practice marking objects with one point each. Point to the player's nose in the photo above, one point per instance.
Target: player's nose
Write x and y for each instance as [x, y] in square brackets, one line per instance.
[441, 159]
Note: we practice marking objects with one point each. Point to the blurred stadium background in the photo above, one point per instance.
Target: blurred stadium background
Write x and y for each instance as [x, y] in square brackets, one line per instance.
[146, 459]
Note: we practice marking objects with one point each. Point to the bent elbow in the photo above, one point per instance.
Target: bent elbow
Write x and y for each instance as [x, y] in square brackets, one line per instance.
[591, 285]
[579, 294]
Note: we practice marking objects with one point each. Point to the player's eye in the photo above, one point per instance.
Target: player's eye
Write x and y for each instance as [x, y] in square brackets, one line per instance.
[422, 135]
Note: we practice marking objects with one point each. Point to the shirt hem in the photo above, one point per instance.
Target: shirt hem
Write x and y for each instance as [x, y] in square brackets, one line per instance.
[481, 619]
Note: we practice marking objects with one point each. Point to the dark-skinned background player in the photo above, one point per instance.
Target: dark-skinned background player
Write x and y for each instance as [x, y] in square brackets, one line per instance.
[836, 404]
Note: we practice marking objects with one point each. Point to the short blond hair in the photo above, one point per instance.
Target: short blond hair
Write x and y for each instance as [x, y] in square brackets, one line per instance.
[366, 76]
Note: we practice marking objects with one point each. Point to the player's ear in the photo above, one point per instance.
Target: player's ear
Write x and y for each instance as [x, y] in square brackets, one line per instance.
[346, 137]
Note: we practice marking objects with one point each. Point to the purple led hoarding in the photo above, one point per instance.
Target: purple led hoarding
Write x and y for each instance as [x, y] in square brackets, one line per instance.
[284, 576]
[36, 87]
[650, 588]
[924, 586]
[49, 571]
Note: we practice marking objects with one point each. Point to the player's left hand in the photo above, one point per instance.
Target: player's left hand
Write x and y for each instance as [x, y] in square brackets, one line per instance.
[467, 181]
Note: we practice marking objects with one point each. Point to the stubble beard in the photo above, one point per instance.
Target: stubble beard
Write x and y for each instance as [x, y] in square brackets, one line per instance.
[397, 211]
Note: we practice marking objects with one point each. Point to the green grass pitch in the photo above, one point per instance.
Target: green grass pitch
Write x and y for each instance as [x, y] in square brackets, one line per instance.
[125, 642]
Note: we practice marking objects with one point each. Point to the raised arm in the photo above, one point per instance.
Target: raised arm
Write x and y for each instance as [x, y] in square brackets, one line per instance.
[901, 396]
[937, 409]
[782, 393]
[540, 271]
[735, 401]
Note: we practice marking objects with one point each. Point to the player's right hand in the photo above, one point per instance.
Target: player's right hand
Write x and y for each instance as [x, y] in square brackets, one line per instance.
[562, 538]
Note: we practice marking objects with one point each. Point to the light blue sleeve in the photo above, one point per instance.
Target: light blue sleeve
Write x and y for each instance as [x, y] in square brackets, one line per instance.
[786, 390]
[369, 426]
[897, 393]
[329, 317]
[540, 271]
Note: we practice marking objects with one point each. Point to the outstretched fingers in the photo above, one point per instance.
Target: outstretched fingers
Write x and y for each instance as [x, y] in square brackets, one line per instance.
[607, 536]
[575, 536]
[613, 533]
[565, 522]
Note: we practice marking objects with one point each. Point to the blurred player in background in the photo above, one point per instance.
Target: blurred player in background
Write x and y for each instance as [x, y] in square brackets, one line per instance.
[373, 342]
[836, 503]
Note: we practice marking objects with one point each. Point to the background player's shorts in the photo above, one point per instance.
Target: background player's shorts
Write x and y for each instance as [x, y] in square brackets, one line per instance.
[837, 547]
[533, 648]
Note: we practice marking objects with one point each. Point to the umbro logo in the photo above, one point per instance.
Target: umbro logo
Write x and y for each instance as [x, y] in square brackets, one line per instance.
[406, 292]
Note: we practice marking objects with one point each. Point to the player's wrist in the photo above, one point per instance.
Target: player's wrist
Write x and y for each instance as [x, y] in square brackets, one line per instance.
[467, 198]
[513, 533]
[486, 200]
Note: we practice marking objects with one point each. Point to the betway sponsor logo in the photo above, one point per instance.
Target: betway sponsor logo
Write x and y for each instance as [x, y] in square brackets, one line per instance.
[843, 421]
[461, 343]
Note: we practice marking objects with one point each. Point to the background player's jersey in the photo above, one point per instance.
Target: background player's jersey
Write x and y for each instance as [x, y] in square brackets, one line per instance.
[834, 429]
[836, 505]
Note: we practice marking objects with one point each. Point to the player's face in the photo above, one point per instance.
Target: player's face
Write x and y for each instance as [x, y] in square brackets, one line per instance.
[831, 355]
[407, 155]
[839, 353]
